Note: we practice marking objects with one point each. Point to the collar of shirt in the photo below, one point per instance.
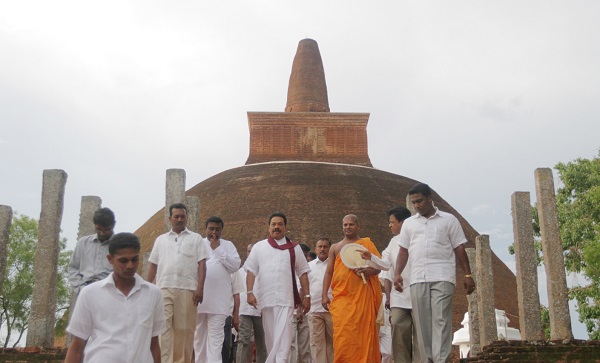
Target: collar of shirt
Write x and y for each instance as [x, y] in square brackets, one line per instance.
[110, 282]
[97, 240]
[436, 214]
[173, 233]
[319, 262]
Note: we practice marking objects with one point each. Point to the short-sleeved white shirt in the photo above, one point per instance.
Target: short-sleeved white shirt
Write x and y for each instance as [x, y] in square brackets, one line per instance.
[118, 328]
[177, 257]
[246, 309]
[431, 243]
[222, 262]
[390, 254]
[315, 280]
[272, 267]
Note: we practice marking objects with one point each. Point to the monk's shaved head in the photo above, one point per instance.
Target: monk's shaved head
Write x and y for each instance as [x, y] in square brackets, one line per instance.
[352, 217]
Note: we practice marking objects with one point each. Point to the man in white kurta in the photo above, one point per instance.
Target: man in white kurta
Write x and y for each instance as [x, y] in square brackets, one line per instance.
[272, 266]
[319, 319]
[403, 338]
[178, 267]
[215, 308]
[118, 319]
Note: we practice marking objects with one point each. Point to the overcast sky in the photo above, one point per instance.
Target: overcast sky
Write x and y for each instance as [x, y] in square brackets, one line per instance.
[470, 97]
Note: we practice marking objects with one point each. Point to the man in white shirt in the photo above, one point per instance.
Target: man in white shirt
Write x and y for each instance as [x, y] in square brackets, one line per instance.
[276, 262]
[399, 304]
[251, 325]
[319, 319]
[118, 319]
[215, 308]
[89, 263]
[178, 267]
[431, 239]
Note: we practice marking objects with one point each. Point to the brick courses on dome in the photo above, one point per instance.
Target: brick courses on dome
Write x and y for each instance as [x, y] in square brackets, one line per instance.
[314, 167]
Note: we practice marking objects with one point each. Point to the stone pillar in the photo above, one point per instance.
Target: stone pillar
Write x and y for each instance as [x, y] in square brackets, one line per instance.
[475, 346]
[554, 263]
[526, 262]
[194, 223]
[5, 223]
[410, 206]
[484, 280]
[43, 299]
[89, 205]
[175, 191]
[145, 264]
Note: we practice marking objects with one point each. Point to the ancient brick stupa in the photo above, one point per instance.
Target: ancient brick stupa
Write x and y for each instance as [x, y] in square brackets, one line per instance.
[313, 165]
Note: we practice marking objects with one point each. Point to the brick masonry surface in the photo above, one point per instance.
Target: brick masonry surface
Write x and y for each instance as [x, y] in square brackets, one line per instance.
[32, 354]
[539, 351]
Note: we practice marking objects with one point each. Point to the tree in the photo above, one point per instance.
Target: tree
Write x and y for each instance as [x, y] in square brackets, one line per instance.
[578, 203]
[15, 300]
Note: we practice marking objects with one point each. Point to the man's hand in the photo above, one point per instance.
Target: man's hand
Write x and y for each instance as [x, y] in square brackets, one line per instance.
[198, 297]
[299, 313]
[398, 281]
[325, 302]
[235, 321]
[366, 255]
[251, 299]
[306, 305]
[469, 285]
[367, 271]
[387, 301]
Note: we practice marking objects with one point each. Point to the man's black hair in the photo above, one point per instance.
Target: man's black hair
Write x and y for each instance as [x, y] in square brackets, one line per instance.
[214, 219]
[420, 188]
[123, 240]
[399, 212]
[278, 214]
[177, 206]
[104, 217]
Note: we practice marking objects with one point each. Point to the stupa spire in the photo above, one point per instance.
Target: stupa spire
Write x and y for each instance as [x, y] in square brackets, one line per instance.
[307, 91]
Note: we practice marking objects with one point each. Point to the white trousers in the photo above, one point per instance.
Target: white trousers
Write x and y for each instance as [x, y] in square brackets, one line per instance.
[208, 340]
[277, 324]
[385, 344]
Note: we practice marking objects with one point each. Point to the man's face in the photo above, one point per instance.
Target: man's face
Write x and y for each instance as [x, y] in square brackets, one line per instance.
[248, 249]
[277, 228]
[178, 219]
[213, 231]
[104, 233]
[125, 263]
[350, 227]
[395, 225]
[322, 250]
[423, 205]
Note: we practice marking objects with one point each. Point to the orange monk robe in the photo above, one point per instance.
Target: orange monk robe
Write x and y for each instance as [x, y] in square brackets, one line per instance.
[354, 311]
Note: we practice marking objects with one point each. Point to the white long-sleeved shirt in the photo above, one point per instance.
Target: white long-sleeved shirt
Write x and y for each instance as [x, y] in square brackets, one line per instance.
[88, 262]
[272, 267]
[390, 254]
[222, 262]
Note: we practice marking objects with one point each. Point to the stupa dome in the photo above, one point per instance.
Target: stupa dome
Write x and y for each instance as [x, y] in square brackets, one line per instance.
[300, 163]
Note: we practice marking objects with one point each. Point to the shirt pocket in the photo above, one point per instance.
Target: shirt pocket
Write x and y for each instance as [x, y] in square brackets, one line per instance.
[188, 249]
[145, 317]
[441, 243]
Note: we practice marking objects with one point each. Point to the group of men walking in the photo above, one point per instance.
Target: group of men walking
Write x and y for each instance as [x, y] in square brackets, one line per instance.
[194, 285]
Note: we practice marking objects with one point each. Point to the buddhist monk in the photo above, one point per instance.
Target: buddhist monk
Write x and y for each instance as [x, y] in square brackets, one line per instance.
[355, 302]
